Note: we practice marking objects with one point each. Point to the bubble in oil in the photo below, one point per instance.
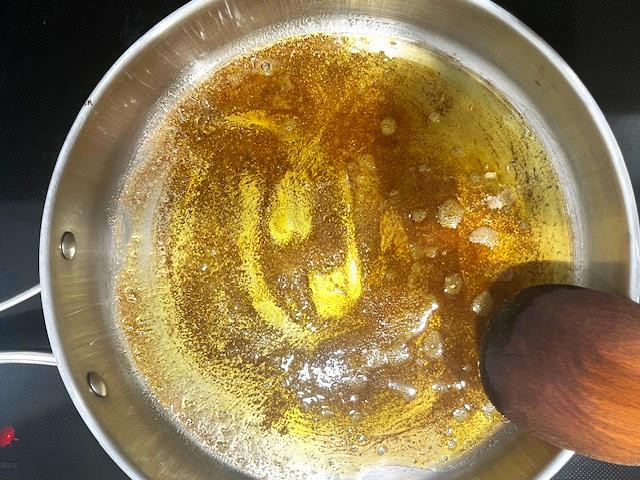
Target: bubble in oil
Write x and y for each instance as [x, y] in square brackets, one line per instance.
[354, 415]
[326, 411]
[503, 199]
[485, 236]
[434, 117]
[450, 213]
[488, 410]
[418, 215]
[460, 414]
[130, 295]
[407, 391]
[440, 387]
[460, 385]
[266, 67]
[433, 346]
[453, 284]
[388, 126]
[482, 304]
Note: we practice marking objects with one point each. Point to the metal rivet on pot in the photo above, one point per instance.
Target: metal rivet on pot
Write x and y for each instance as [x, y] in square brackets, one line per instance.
[96, 384]
[68, 245]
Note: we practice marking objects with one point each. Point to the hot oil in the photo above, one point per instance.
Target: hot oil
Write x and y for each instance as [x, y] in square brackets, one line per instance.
[336, 218]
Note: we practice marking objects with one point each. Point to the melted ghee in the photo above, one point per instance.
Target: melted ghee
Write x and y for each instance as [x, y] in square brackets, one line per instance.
[319, 233]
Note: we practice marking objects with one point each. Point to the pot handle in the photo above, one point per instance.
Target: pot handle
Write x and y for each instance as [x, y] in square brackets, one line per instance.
[33, 358]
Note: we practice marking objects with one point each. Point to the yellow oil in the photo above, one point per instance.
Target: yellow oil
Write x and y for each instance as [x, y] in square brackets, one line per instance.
[333, 220]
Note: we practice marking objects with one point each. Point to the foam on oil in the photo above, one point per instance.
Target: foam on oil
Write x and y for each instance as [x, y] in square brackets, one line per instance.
[336, 218]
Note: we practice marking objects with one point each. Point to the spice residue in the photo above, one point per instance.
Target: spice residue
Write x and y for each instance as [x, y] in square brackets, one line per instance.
[327, 227]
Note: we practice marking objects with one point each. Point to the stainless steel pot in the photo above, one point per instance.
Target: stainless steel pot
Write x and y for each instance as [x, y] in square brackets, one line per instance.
[76, 240]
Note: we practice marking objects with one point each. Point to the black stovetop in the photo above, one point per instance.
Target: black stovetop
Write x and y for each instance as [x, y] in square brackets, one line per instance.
[52, 54]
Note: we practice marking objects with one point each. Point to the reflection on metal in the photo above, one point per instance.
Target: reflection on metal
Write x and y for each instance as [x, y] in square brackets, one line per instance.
[29, 358]
[68, 245]
[21, 297]
[96, 384]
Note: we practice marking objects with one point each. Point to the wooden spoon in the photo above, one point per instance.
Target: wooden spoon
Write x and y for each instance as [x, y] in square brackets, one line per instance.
[563, 362]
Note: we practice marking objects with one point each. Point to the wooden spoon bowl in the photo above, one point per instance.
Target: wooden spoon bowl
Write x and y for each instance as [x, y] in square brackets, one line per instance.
[563, 362]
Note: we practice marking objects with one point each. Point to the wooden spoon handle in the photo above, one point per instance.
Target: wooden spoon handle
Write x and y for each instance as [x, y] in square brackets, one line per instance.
[564, 363]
